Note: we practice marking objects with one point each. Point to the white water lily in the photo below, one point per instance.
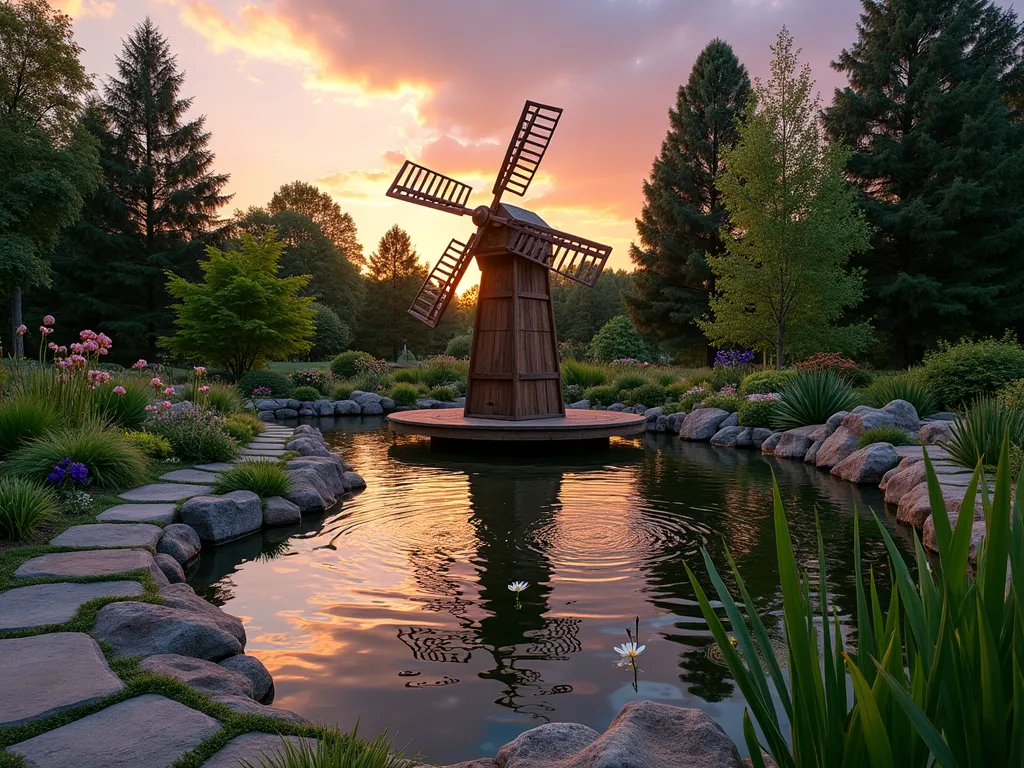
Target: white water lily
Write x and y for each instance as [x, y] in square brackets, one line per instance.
[518, 586]
[629, 651]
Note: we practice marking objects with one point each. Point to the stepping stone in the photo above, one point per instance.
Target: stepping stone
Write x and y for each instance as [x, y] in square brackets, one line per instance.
[251, 747]
[166, 492]
[43, 604]
[262, 452]
[217, 466]
[96, 562]
[243, 459]
[189, 476]
[109, 535]
[139, 513]
[265, 446]
[47, 674]
[282, 439]
[149, 730]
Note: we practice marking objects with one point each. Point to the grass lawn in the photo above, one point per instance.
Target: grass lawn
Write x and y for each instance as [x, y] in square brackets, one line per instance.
[291, 367]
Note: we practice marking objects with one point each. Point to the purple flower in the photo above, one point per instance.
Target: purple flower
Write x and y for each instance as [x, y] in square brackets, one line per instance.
[56, 476]
[727, 358]
[79, 473]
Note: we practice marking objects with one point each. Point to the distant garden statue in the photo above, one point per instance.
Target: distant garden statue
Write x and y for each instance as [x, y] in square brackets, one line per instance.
[406, 357]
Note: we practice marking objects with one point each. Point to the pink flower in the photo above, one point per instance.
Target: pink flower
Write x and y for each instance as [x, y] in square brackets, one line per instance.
[104, 340]
[200, 371]
[98, 377]
[166, 403]
[118, 391]
[150, 408]
[204, 388]
[169, 391]
[87, 335]
[103, 350]
[139, 365]
[77, 361]
[155, 382]
[22, 330]
[77, 348]
[49, 320]
[91, 346]
[62, 350]
[45, 331]
[52, 345]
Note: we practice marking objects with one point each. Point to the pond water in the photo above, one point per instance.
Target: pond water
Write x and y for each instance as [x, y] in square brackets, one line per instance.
[394, 608]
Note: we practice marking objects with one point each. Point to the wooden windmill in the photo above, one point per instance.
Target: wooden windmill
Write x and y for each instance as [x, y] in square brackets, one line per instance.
[513, 367]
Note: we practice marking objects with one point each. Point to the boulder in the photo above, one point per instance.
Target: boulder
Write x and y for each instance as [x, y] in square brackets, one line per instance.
[307, 446]
[868, 464]
[183, 598]
[652, 414]
[218, 519]
[365, 397]
[898, 413]
[253, 749]
[387, 404]
[144, 629]
[674, 422]
[180, 541]
[915, 505]
[254, 671]
[280, 511]
[330, 469]
[286, 413]
[904, 414]
[702, 423]
[583, 405]
[617, 407]
[200, 674]
[353, 481]
[346, 408]
[269, 405]
[770, 443]
[306, 411]
[660, 424]
[836, 447]
[812, 452]
[935, 432]
[795, 443]
[758, 435]
[372, 409]
[171, 568]
[732, 437]
[266, 415]
[39, 605]
[929, 542]
[732, 420]
[942, 416]
[324, 407]
[247, 706]
[309, 492]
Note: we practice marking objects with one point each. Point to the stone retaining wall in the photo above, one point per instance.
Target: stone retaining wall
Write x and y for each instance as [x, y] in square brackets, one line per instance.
[359, 403]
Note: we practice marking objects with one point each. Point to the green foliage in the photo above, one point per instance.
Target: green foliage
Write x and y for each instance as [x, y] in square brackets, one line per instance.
[442, 371]
[909, 387]
[113, 462]
[317, 378]
[154, 446]
[404, 394]
[605, 395]
[126, 410]
[649, 394]
[581, 311]
[784, 285]
[24, 506]
[1012, 394]
[811, 398]
[279, 384]
[242, 314]
[958, 373]
[332, 334]
[320, 208]
[334, 751]
[306, 393]
[444, 394]
[583, 374]
[757, 413]
[459, 346]
[264, 478]
[407, 375]
[978, 435]
[893, 435]
[677, 390]
[224, 398]
[195, 436]
[346, 365]
[248, 421]
[619, 339]
[342, 392]
[630, 381]
[727, 402]
[768, 381]
[572, 392]
[693, 397]
[729, 375]
[23, 419]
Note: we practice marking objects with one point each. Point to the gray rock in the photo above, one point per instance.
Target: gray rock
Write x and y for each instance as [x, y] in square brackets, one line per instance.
[266, 415]
[280, 511]
[868, 464]
[758, 435]
[109, 535]
[794, 443]
[165, 492]
[307, 446]
[200, 674]
[547, 744]
[180, 541]
[732, 437]
[308, 492]
[812, 452]
[930, 543]
[189, 476]
[330, 469]
[247, 706]
[617, 407]
[183, 598]
[365, 397]
[269, 405]
[40, 605]
[915, 506]
[702, 423]
[935, 432]
[347, 408]
[170, 567]
[904, 414]
[372, 409]
[387, 404]
[652, 414]
[254, 671]
[150, 730]
[286, 413]
[675, 422]
[353, 481]
[427, 403]
[139, 513]
[837, 446]
[218, 519]
[941, 416]
[898, 413]
[107, 562]
[324, 408]
[771, 443]
[833, 422]
[582, 405]
[144, 629]
[732, 420]
[292, 403]
[46, 674]
[251, 748]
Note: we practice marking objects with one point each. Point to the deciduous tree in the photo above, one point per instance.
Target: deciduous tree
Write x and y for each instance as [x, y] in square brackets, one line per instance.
[304, 198]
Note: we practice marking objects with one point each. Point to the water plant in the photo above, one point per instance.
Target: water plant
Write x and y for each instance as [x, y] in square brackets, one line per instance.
[517, 588]
[909, 387]
[811, 397]
[24, 506]
[264, 478]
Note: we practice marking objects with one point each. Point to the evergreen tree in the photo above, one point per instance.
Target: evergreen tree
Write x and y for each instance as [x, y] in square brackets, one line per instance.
[683, 216]
[783, 284]
[156, 210]
[394, 277]
[939, 160]
[308, 200]
[581, 311]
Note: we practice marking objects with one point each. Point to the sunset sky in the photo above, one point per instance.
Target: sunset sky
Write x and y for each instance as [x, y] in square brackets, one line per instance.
[339, 92]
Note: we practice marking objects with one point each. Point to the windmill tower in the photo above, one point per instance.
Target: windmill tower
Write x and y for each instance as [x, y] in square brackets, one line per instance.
[513, 366]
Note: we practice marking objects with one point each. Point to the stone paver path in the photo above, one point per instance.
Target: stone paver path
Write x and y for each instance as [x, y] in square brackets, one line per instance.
[105, 562]
[166, 492]
[41, 604]
[262, 452]
[217, 466]
[151, 731]
[46, 674]
[189, 476]
[242, 459]
[249, 747]
[109, 535]
[139, 513]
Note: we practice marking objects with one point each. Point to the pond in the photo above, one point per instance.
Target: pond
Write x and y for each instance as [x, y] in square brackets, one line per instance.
[394, 609]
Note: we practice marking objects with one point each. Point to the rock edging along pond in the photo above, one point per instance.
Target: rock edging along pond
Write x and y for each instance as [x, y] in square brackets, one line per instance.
[47, 671]
[358, 403]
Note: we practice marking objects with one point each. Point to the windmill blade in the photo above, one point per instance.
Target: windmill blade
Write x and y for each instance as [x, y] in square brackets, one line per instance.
[573, 257]
[423, 186]
[439, 287]
[526, 150]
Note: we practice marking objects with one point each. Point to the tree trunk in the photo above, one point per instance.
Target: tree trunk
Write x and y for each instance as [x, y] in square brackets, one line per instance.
[778, 348]
[17, 342]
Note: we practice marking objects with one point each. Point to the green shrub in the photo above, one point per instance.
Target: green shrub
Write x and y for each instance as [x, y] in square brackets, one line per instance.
[601, 395]
[154, 446]
[693, 396]
[23, 419]
[194, 435]
[847, 369]
[264, 478]
[404, 394]
[724, 400]
[665, 379]
[729, 375]
[959, 373]
[1013, 393]
[342, 392]
[583, 374]
[630, 381]
[768, 381]
[224, 398]
[459, 346]
[126, 410]
[442, 371]
[444, 394]
[909, 387]
[24, 506]
[278, 384]
[677, 389]
[618, 339]
[757, 413]
[978, 435]
[407, 375]
[306, 393]
[651, 395]
[893, 435]
[572, 392]
[113, 462]
[811, 398]
[317, 378]
[247, 420]
[346, 365]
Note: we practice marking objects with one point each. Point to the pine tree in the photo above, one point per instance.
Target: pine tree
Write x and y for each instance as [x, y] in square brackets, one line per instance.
[157, 209]
[939, 160]
[395, 275]
[683, 216]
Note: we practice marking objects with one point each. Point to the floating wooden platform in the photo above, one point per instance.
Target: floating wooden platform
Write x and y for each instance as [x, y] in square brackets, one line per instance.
[451, 424]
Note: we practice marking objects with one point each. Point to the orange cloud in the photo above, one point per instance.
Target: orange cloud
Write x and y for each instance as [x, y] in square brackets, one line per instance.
[80, 9]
